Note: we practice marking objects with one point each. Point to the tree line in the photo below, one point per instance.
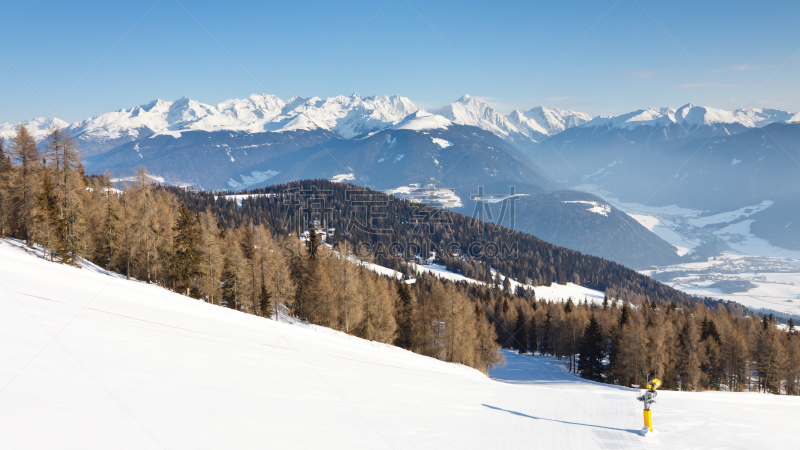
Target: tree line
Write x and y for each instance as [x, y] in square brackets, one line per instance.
[532, 261]
[148, 233]
[687, 347]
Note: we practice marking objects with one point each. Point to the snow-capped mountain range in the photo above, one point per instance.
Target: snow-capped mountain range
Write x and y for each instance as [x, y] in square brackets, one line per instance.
[354, 115]
[38, 127]
[691, 116]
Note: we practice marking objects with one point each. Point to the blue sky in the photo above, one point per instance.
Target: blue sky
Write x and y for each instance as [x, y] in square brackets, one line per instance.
[603, 57]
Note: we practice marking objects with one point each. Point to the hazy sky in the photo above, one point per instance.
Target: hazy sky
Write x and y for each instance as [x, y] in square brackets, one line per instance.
[77, 59]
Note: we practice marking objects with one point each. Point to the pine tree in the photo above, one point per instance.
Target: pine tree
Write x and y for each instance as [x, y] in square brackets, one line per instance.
[187, 254]
[489, 355]
[26, 153]
[6, 171]
[249, 251]
[625, 313]
[211, 259]
[265, 302]
[592, 352]
[146, 229]
[688, 363]
[405, 316]
[312, 244]
[69, 187]
[521, 333]
[768, 361]
[378, 322]
[46, 219]
[108, 232]
[547, 335]
[533, 338]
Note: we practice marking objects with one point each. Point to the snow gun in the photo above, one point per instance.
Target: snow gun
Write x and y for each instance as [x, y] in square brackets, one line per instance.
[649, 397]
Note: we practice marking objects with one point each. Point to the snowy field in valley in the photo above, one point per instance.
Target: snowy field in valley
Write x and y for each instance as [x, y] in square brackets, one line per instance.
[91, 361]
[770, 275]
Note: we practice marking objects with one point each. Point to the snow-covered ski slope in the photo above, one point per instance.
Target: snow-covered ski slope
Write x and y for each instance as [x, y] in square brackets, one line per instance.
[90, 361]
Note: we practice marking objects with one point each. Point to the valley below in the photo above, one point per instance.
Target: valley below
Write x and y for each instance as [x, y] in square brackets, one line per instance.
[721, 257]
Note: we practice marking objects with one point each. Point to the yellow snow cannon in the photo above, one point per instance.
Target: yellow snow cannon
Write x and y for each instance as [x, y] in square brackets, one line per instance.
[648, 398]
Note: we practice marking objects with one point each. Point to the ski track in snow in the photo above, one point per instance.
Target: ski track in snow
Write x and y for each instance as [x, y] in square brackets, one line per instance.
[91, 361]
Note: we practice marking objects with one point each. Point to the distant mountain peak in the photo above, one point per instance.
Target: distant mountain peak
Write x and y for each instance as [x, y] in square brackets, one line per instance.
[37, 127]
[546, 121]
[423, 120]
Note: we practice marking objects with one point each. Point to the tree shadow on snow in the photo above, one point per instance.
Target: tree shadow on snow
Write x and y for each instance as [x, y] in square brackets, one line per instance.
[636, 432]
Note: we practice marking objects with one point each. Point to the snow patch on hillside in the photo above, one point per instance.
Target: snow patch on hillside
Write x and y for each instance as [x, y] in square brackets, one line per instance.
[443, 143]
[596, 208]
[429, 195]
[255, 177]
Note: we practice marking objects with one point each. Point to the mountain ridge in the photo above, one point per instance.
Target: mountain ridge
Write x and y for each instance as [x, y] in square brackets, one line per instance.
[354, 115]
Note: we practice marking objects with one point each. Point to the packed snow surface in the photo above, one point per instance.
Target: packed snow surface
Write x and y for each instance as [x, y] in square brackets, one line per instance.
[92, 361]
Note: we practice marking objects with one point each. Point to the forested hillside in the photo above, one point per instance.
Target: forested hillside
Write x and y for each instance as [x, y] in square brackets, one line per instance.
[397, 225]
[251, 258]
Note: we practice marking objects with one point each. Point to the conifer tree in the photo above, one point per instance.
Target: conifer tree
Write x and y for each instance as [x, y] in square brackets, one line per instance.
[768, 360]
[533, 338]
[6, 171]
[313, 243]
[26, 153]
[69, 187]
[688, 363]
[547, 335]
[234, 275]
[590, 364]
[265, 302]
[405, 316]
[108, 230]
[46, 219]
[521, 334]
[624, 314]
[187, 254]
[211, 260]
[378, 322]
[489, 355]
[144, 208]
